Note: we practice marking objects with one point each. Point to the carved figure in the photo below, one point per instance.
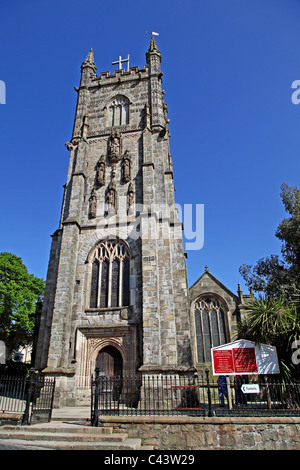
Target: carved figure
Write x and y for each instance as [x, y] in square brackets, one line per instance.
[93, 204]
[100, 171]
[114, 147]
[111, 201]
[69, 146]
[130, 200]
[126, 167]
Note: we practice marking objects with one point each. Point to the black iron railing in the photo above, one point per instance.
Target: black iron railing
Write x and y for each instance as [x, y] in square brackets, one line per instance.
[189, 395]
[32, 396]
[273, 397]
[12, 394]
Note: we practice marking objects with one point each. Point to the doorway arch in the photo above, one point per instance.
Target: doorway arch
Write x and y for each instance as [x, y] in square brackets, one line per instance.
[110, 361]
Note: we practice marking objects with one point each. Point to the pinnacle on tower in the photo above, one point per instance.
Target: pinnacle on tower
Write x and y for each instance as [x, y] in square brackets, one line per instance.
[153, 49]
[153, 46]
[89, 61]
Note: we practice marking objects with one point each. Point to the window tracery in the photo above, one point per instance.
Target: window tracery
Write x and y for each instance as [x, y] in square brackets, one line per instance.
[110, 276]
[210, 325]
[118, 111]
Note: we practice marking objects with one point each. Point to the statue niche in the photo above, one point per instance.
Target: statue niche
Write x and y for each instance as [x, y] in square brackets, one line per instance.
[126, 167]
[111, 200]
[93, 204]
[114, 147]
[100, 171]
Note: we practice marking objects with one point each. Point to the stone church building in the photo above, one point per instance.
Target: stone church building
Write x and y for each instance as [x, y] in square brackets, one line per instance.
[116, 294]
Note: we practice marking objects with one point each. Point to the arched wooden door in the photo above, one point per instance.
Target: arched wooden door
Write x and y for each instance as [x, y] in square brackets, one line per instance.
[109, 361]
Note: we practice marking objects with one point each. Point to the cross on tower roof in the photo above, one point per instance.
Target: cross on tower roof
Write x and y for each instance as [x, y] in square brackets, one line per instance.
[121, 61]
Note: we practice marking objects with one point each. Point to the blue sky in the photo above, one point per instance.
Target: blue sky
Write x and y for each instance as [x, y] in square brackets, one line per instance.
[228, 69]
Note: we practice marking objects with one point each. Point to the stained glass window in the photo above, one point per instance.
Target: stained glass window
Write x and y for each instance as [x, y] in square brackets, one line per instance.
[210, 323]
[199, 336]
[94, 287]
[206, 334]
[110, 276]
[126, 283]
[115, 283]
[104, 284]
[215, 338]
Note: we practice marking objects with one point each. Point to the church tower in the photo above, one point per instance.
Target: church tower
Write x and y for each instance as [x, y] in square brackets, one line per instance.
[116, 291]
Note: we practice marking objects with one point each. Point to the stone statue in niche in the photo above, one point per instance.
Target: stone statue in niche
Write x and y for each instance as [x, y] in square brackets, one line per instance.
[130, 200]
[126, 167]
[93, 204]
[114, 147]
[100, 171]
[111, 200]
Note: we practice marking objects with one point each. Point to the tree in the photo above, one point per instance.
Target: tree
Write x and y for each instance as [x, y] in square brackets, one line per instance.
[271, 321]
[280, 277]
[19, 293]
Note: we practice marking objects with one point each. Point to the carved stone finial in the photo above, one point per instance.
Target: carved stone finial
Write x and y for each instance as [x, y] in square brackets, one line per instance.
[89, 61]
[206, 269]
[240, 293]
[153, 46]
[153, 50]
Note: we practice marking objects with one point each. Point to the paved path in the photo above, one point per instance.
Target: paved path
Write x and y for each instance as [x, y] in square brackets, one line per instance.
[77, 413]
[5, 444]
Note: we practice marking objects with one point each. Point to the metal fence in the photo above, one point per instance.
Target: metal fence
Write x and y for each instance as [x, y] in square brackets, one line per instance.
[12, 394]
[189, 395]
[32, 396]
[272, 397]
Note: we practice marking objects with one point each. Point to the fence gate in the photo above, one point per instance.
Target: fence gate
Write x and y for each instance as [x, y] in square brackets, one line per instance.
[31, 396]
[42, 399]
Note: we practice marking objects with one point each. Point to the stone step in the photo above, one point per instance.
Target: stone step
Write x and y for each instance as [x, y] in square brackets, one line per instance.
[68, 436]
[60, 427]
[64, 436]
[128, 444]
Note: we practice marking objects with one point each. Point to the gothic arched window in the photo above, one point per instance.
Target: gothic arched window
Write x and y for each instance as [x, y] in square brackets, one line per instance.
[118, 111]
[110, 278]
[210, 326]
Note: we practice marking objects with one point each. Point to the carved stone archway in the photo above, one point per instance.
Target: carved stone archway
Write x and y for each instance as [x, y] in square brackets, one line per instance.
[90, 341]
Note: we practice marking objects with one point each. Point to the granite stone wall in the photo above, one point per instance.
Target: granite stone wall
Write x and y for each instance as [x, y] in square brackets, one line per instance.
[216, 433]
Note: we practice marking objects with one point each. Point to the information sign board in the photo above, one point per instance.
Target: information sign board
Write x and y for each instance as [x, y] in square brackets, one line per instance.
[223, 361]
[244, 360]
[243, 357]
